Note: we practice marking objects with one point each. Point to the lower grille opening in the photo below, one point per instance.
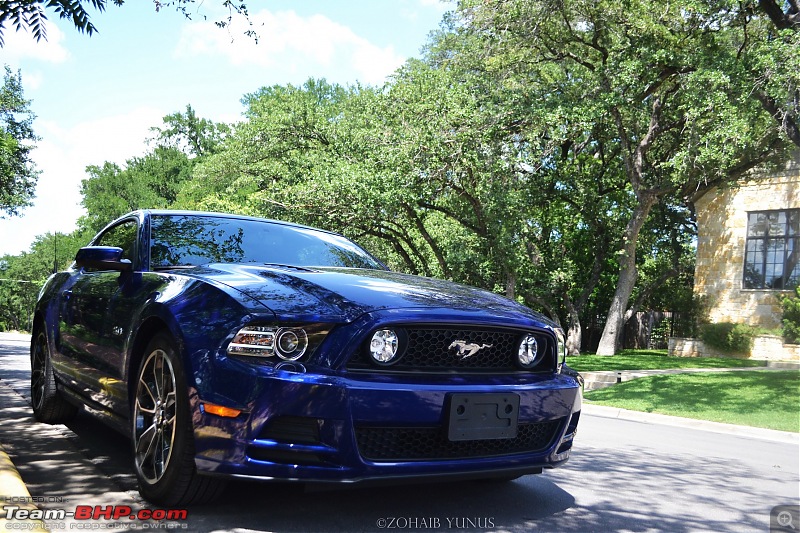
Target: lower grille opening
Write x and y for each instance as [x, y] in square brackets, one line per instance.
[572, 429]
[287, 457]
[292, 430]
[431, 443]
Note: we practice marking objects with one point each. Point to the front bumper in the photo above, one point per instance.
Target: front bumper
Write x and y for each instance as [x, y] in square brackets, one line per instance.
[314, 427]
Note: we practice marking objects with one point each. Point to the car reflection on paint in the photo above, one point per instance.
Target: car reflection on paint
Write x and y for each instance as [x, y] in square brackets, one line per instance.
[229, 346]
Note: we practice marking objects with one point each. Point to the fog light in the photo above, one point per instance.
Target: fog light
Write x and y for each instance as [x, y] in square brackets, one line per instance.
[529, 352]
[383, 346]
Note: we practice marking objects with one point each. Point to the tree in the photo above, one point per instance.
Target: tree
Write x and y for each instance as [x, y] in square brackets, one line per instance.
[775, 63]
[31, 14]
[190, 134]
[151, 181]
[306, 154]
[154, 180]
[22, 276]
[670, 87]
[18, 174]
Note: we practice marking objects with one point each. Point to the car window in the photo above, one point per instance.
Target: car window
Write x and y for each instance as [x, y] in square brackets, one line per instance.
[181, 240]
[122, 236]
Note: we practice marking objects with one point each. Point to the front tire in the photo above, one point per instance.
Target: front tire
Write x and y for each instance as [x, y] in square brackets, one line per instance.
[48, 404]
[163, 438]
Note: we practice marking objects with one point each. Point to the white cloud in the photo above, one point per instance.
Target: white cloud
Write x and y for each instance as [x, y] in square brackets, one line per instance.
[63, 155]
[411, 10]
[20, 45]
[315, 45]
[32, 80]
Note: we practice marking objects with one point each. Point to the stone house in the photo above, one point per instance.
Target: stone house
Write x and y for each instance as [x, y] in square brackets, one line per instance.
[748, 248]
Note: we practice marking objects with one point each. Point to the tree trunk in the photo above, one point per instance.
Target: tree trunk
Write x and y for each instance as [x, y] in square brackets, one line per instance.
[511, 283]
[615, 321]
[574, 331]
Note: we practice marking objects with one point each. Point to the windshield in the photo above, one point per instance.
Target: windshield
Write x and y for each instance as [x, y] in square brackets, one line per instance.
[188, 240]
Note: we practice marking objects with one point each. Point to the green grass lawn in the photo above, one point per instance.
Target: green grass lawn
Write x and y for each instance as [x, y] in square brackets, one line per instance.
[751, 398]
[654, 360]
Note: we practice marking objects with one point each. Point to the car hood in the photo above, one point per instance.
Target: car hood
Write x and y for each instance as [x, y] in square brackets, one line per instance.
[343, 294]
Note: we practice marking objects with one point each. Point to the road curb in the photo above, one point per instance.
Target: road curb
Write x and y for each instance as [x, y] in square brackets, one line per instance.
[705, 425]
[14, 492]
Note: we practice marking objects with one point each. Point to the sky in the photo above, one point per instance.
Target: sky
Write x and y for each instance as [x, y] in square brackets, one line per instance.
[96, 97]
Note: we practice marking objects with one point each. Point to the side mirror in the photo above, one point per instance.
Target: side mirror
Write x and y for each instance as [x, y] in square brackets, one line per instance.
[102, 258]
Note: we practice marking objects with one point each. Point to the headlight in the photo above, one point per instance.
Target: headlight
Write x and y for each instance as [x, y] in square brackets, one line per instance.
[530, 352]
[384, 346]
[289, 343]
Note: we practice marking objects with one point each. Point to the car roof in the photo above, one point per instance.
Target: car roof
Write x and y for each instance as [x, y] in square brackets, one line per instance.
[142, 213]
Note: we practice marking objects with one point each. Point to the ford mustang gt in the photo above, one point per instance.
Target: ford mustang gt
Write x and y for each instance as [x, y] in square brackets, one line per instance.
[237, 347]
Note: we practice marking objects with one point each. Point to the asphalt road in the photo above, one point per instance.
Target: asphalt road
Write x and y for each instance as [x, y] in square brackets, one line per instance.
[623, 476]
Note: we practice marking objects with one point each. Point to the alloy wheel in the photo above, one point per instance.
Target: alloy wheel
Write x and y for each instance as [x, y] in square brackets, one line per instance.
[38, 376]
[155, 410]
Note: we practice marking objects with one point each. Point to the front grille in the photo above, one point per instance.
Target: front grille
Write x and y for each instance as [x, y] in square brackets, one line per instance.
[431, 443]
[431, 350]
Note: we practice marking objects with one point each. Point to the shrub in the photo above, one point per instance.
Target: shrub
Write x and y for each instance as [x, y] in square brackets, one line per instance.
[734, 339]
[688, 315]
[791, 317]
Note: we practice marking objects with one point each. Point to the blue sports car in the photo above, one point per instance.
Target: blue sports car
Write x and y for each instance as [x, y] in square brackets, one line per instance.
[238, 347]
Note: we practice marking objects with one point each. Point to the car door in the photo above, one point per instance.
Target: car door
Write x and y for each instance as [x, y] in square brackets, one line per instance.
[90, 339]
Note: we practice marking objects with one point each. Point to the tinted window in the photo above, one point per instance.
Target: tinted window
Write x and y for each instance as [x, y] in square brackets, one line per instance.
[773, 250]
[180, 240]
[122, 236]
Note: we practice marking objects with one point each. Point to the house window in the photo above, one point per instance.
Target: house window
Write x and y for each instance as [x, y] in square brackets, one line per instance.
[773, 247]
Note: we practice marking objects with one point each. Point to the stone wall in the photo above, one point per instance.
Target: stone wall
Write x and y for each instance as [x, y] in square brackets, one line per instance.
[765, 348]
[722, 231]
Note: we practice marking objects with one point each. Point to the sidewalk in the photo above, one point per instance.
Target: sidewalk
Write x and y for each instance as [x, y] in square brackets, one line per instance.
[599, 379]
[47, 450]
[14, 492]
[692, 423]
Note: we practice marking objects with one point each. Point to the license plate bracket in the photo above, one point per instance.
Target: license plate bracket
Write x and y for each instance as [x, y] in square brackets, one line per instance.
[483, 416]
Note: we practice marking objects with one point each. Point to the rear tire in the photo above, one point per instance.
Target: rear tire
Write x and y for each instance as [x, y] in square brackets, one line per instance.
[49, 405]
[162, 433]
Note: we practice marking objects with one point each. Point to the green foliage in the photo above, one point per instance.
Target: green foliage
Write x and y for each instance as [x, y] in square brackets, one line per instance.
[31, 14]
[654, 360]
[190, 134]
[756, 398]
[154, 180]
[735, 339]
[791, 317]
[151, 181]
[659, 104]
[22, 276]
[17, 172]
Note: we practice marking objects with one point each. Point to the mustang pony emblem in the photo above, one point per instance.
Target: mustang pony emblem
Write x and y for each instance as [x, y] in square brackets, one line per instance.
[467, 349]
